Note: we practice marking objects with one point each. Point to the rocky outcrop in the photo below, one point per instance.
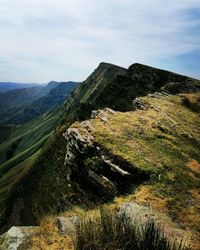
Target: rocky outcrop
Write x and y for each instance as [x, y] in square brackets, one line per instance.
[67, 226]
[102, 114]
[16, 237]
[90, 166]
[139, 104]
[143, 215]
[80, 139]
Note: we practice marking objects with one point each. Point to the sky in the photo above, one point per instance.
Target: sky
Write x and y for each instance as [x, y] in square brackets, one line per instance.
[43, 40]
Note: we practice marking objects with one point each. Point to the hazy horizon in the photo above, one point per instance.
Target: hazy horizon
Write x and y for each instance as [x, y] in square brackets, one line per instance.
[46, 40]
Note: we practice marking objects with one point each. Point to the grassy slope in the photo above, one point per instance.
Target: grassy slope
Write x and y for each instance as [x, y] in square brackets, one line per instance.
[28, 138]
[165, 141]
[12, 176]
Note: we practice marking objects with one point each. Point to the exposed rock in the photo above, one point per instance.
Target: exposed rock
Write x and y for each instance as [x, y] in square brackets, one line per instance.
[158, 95]
[139, 104]
[15, 237]
[80, 139]
[67, 226]
[102, 182]
[77, 140]
[110, 110]
[114, 167]
[143, 214]
[102, 114]
[87, 125]
[90, 165]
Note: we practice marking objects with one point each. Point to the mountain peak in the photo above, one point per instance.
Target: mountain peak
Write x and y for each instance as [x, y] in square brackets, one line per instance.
[106, 65]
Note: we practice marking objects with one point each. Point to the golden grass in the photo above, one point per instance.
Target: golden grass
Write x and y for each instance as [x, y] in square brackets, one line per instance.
[194, 165]
[162, 140]
[48, 237]
[146, 196]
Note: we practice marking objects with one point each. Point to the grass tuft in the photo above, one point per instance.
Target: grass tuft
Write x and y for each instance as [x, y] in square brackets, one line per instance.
[110, 231]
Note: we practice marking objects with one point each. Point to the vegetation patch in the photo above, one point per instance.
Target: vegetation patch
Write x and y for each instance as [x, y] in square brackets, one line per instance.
[164, 141]
[110, 231]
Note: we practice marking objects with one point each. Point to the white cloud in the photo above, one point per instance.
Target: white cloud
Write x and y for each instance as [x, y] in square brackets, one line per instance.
[66, 39]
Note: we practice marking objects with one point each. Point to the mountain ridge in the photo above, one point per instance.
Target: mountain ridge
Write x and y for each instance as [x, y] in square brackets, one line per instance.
[108, 86]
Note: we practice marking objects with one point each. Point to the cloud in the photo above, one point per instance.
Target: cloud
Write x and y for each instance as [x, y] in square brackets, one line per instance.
[62, 40]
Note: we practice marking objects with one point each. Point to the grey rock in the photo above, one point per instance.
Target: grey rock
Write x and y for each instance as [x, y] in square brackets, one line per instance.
[142, 215]
[139, 104]
[111, 111]
[16, 236]
[78, 140]
[159, 95]
[67, 226]
[103, 114]
[102, 181]
[115, 167]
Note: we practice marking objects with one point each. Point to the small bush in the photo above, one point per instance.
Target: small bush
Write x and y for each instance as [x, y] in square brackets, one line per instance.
[111, 231]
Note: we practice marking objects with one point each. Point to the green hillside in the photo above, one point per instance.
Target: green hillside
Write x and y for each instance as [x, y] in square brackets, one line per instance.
[24, 131]
[20, 148]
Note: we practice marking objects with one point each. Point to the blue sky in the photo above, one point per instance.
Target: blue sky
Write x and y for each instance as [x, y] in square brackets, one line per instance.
[43, 40]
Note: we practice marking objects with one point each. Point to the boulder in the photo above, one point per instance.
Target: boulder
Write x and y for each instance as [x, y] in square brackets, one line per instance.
[143, 214]
[67, 226]
[15, 237]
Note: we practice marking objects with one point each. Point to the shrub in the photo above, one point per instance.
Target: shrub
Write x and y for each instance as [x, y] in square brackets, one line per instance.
[110, 231]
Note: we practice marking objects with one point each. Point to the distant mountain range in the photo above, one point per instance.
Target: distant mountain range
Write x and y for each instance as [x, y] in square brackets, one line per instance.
[21, 105]
[6, 86]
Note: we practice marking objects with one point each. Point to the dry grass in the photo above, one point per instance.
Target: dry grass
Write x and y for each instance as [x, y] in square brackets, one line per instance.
[163, 140]
[146, 196]
[191, 101]
[48, 237]
[194, 165]
[108, 230]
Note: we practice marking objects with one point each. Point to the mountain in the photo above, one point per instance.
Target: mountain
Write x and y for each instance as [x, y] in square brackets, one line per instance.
[114, 87]
[41, 101]
[47, 88]
[132, 132]
[83, 99]
[18, 97]
[7, 86]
